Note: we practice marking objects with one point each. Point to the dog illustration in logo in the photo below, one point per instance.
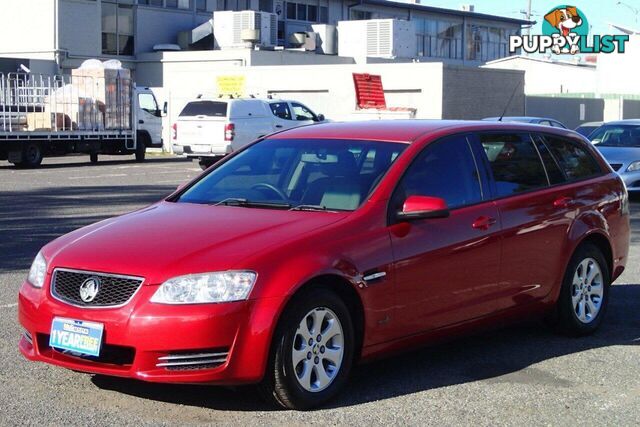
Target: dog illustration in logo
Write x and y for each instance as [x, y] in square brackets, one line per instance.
[564, 20]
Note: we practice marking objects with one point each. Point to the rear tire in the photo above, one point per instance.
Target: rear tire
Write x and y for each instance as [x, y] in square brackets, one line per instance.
[585, 292]
[31, 156]
[93, 157]
[304, 372]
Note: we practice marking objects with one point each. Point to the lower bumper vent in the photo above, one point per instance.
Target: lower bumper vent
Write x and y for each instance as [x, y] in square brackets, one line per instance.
[27, 336]
[193, 361]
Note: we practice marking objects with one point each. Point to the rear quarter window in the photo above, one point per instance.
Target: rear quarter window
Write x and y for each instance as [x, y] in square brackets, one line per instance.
[204, 108]
[575, 160]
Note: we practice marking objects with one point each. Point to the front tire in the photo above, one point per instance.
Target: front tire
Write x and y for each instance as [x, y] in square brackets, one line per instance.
[312, 352]
[585, 292]
[141, 149]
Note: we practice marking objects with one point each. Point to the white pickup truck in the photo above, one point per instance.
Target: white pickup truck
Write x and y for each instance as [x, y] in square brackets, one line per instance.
[209, 128]
[53, 115]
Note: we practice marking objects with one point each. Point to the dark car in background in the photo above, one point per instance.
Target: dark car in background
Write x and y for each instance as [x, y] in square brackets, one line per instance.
[544, 121]
[619, 143]
[587, 128]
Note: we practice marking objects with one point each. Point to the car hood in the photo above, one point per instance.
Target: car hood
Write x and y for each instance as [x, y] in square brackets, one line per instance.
[620, 154]
[172, 239]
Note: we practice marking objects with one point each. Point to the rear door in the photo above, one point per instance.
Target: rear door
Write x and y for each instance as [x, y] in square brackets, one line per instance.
[201, 126]
[535, 216]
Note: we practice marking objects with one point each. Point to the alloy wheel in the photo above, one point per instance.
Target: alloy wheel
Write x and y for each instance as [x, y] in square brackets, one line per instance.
[587, 290]
[318, 349]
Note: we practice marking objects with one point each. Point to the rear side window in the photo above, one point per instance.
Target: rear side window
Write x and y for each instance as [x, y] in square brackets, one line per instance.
[576, 161]
[445, 169]
[514, 162]
[205, 108]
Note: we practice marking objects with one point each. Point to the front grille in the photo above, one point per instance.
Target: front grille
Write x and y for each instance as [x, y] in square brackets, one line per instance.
[113, 290]
[616, 166]
[192, 361]
[109, 354]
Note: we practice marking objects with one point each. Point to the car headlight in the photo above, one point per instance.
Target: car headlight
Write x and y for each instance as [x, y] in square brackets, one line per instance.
[38, 271]
[634, 166]
[224, 286]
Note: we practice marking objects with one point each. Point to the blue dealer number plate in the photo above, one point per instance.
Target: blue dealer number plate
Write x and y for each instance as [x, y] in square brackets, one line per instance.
[77, 336]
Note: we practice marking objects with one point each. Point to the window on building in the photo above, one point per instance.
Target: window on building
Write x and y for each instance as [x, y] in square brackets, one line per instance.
[312, 13]
[205, 5]
[357, 15]
[117, 29]
[179, 4]
[157, 3]
[291, 10]
[439, 39]
[487, 43]
[302, 12]
[266, 5]
[324, 14]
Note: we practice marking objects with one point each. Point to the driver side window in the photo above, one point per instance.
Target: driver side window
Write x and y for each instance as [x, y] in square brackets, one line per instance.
[148, 103]
[300, 112]
[281, 110]
[445, 169]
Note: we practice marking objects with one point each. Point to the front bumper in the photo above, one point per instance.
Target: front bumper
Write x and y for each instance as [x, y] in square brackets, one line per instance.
[141, 337]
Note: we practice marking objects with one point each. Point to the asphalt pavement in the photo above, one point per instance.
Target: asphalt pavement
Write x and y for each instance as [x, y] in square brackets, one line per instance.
[522, 375]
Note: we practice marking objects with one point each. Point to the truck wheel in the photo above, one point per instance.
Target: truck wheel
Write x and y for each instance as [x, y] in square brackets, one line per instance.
[141, 149]
[31, 156]
[93, 157]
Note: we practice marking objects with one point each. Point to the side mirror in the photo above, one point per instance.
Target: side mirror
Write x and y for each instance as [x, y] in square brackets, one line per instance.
[422, 207]
[321, 117]
[165, 108]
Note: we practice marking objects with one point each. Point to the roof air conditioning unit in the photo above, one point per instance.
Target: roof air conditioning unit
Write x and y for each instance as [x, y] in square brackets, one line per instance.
[377, 38]
[245, 29]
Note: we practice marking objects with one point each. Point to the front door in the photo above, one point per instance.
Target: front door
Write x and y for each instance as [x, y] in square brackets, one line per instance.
[447, 269]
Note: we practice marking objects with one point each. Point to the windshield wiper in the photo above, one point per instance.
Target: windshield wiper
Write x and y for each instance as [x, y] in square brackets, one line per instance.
[238, 201]
[308, 208]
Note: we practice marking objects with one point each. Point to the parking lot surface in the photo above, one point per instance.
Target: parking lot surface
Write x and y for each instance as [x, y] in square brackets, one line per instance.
[524, 375]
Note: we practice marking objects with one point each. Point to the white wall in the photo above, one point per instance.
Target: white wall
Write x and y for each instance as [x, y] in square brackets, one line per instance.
[618, 73]
[543, 77]
[28, 29]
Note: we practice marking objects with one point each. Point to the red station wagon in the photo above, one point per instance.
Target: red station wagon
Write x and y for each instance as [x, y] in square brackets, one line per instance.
[315, 248]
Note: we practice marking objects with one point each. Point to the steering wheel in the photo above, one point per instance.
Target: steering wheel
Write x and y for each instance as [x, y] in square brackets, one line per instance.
[264, 185]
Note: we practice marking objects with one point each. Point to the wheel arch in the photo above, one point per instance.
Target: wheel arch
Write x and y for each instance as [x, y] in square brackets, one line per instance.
[600, 241]
[342, 287]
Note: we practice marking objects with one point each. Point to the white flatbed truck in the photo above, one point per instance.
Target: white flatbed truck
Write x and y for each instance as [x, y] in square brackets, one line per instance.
[54, 115]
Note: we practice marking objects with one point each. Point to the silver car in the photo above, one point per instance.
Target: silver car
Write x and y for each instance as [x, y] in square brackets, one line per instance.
[619, 143]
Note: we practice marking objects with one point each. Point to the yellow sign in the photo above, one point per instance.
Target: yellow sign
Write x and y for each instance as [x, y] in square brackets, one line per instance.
[231, 85]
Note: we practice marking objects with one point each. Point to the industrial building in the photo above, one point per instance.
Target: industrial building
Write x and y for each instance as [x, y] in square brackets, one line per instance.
[63, 33]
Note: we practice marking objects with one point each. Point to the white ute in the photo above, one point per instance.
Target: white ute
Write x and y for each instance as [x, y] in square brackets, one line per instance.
[209, 128]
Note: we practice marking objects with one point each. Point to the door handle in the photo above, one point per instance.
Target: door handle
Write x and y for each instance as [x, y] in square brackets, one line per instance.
[278, 126]
[563, 202]
[484, 222]
[141, 122]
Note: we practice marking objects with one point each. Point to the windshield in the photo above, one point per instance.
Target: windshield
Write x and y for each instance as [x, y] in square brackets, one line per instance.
[313, 174]
[616, 136]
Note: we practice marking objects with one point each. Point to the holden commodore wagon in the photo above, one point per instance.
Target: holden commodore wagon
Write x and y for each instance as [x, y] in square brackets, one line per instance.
[319, 247]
